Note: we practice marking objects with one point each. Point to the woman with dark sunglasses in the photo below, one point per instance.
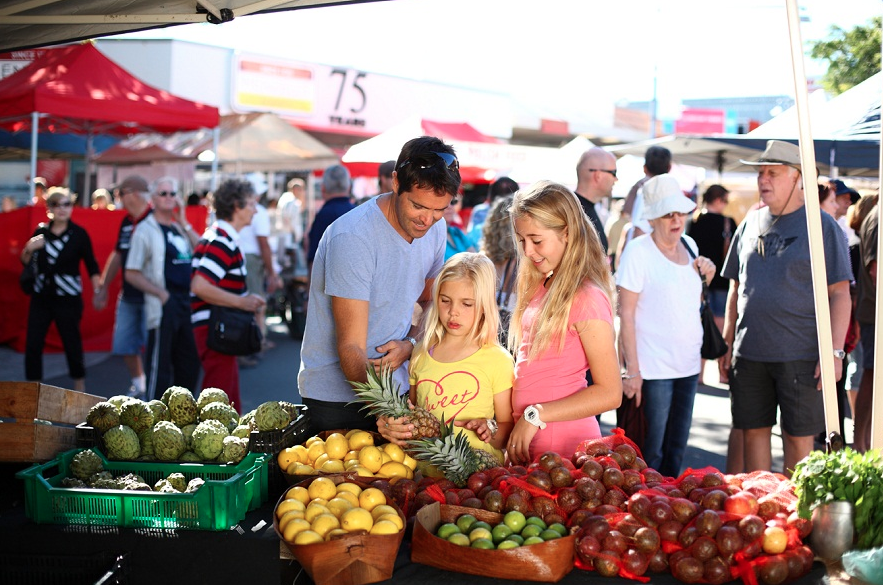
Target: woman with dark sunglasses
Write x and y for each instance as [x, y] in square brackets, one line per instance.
[60, 246]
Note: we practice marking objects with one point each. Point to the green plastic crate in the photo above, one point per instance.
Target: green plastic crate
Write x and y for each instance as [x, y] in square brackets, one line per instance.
[228, 493]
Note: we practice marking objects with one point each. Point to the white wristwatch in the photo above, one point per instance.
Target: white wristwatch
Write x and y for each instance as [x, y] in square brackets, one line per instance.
[839, 354]
[532, 415]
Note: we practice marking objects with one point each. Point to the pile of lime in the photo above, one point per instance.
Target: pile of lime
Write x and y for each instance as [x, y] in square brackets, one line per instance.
[515, 530]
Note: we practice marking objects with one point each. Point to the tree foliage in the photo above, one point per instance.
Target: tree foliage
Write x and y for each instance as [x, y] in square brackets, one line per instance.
[852, 55]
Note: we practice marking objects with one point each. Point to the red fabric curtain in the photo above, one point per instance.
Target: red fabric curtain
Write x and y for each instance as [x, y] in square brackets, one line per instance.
[103, 226]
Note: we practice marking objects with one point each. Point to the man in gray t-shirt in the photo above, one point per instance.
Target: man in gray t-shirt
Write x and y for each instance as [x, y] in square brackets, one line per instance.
[372, 265]
[770, 322]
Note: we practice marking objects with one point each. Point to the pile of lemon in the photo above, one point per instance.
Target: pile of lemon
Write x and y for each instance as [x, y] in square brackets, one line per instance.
[353, 452]
[324, 511]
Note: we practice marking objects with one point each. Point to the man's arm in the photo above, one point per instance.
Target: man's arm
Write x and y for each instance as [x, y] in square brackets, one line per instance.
[273, 281]
[841, 309]
[111, 267]
[351, 328]
[729, 332]
[137, 279]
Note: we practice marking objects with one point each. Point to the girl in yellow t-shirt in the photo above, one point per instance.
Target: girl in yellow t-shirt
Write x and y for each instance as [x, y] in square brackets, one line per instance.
[459, 369]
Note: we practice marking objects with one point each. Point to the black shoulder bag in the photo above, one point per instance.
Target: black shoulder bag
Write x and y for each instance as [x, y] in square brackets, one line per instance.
[233, 331]
[28, 277]
[713, 344]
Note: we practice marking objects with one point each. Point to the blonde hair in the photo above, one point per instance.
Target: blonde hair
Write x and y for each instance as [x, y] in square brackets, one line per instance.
[555, 207]
[479, 270]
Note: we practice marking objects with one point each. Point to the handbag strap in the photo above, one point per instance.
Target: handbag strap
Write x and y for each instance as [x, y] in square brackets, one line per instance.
[701, 276]
[505, 286]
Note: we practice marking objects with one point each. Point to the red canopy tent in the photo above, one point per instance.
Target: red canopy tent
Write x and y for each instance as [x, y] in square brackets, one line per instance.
[77, 89]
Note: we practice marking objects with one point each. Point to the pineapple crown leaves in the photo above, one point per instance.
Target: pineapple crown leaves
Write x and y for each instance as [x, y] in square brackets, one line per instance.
[380, 394]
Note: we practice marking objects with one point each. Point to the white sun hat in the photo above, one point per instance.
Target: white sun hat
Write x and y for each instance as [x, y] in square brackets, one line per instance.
[663, 195]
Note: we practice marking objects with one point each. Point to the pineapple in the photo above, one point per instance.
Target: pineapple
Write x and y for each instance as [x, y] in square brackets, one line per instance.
[452, 454]
[381, 397]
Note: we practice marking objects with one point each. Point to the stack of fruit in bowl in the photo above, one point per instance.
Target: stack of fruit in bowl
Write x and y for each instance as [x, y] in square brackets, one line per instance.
[354, 451]
[340, 531]
[515, 530]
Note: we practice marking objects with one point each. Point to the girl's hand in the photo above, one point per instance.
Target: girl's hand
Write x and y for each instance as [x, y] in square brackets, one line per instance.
[631, 388]
[477, 425]
[518, 447]
[395, 430]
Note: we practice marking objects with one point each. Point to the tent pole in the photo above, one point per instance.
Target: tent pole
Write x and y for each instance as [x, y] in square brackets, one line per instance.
[876, 401]
[86, 199]
[216, 143]
[35, 131]
[814, 226]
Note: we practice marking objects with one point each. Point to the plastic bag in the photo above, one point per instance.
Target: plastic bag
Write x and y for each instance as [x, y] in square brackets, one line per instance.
[866, 565]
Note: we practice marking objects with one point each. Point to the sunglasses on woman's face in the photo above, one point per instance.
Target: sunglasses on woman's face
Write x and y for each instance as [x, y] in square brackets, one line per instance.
[64, 204]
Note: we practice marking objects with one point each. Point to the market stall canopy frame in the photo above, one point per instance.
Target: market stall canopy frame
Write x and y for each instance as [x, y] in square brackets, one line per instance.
[27, 24]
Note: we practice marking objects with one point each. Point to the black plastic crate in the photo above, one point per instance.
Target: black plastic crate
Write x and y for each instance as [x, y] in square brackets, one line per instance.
[104, 568]
[88, 437]
[274, 441]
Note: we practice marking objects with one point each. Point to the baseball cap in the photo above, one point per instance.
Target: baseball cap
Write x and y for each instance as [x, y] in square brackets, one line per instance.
[134, 183]
[840, 188]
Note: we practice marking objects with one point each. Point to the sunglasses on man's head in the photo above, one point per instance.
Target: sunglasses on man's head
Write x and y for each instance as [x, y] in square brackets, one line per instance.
[425, 161]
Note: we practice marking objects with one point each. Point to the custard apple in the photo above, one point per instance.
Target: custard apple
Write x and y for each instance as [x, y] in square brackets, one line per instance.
[290, 408]
[103, 416]
[208, 439]
[270, 416]
[159, 410]
[138, 486]
[235, 449]
[85, 464]
[122, 443]
[145, 439]
[220, 412]
[168, 441]
[165, 395]
[209, 395]
[119, 400]
[242, 431]
[165, 486]
[189, 457]
[73, 482]
[106, 484]
[136, 415]
[129, 478]
[182, 407]
[188, 434]
[101, 475]
[194, 484]
[248, 419]
[178, 481]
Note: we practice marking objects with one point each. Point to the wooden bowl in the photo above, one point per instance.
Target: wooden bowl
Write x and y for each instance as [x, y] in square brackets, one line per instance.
[547, 562]
[349, 560]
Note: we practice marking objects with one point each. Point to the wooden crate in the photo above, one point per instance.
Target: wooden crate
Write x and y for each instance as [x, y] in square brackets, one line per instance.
[25, 439]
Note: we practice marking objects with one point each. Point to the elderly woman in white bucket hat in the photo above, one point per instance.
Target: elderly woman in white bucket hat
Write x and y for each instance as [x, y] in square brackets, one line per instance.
[660, 293]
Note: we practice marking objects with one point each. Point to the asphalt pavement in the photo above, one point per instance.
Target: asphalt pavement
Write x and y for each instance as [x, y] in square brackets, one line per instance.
[275, 378]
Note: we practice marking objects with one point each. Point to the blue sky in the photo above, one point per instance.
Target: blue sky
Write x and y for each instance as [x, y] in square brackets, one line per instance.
[567, 58]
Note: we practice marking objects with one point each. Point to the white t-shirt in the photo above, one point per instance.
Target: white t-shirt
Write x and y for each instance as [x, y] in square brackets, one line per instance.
[259, 226]
[288, 217]
[668, 328]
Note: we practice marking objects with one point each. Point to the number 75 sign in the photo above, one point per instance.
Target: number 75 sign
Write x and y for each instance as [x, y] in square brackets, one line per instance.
[323, 97]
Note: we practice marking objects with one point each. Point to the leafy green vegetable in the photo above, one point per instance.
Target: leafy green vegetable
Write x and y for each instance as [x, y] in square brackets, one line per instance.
[849, 476]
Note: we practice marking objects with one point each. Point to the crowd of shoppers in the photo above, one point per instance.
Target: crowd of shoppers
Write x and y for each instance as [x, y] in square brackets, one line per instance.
[373, 266]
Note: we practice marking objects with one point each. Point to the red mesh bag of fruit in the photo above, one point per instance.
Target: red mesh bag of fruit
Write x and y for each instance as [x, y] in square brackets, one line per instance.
[606, 445]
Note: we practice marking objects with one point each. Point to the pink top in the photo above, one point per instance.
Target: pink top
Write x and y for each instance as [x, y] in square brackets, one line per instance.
[552, 376]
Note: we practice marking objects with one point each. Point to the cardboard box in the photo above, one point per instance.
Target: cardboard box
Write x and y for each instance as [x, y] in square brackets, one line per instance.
[44, 420]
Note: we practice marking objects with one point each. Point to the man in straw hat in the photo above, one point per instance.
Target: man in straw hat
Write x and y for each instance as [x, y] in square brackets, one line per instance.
[770, 320]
